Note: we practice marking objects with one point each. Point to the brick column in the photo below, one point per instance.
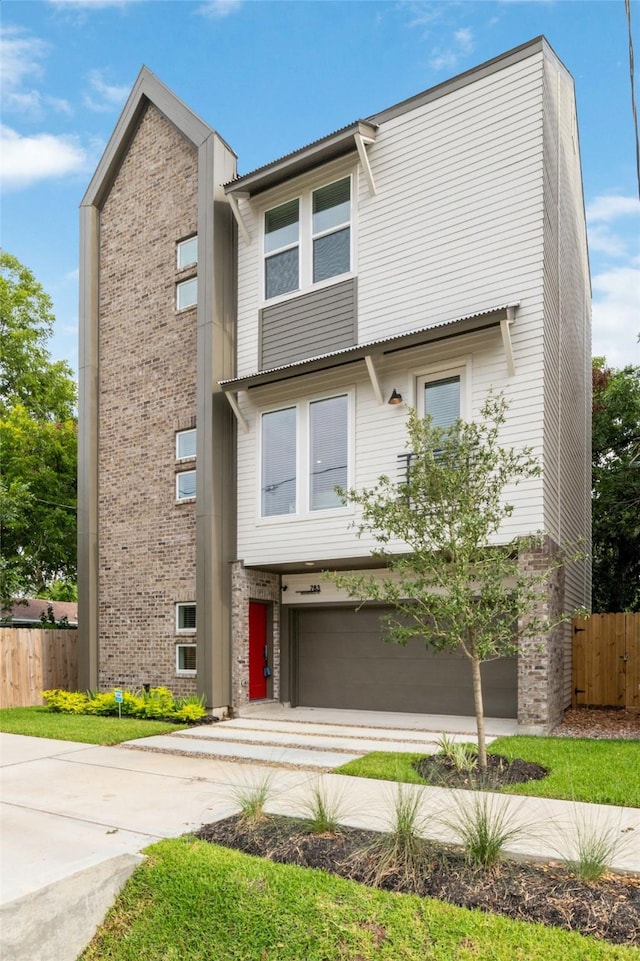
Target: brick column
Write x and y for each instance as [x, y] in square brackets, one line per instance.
[541, 658]
[246, 586]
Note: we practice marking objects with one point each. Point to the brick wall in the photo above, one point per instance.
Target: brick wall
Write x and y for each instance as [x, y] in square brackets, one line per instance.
[541, 658]
[252, 585]
[147, 392]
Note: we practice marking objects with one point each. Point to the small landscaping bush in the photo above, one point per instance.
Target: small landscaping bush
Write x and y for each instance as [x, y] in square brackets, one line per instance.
[158, 703]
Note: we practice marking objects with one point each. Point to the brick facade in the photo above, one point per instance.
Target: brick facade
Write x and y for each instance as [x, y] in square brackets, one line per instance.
[146, 542]
[541, 658]
[252, 585]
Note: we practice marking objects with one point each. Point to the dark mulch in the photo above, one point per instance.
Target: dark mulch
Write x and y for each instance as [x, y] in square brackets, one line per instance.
[440, 770]
[608, 909]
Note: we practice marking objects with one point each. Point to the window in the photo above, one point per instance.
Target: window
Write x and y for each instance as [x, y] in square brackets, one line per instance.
[186, 485]
[312, 441]
[187, 253]
[279, 462]
[185, 658]
[185, 444]
[281, 234]
[187, 293]
[328, 451]
[331, 230]
[442, 400]
[308, 240]
[185, 618]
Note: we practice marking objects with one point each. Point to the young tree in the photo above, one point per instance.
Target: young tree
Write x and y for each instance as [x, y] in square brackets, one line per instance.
[616, 488]
[38, 441]
[450, 580]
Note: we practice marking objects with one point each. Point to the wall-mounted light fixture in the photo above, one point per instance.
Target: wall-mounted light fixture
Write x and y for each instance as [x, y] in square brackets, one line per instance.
[395, 398]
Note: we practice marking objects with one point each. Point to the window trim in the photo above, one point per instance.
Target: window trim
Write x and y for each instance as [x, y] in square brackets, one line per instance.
[306, 237]
[460, 367]
[182, 671]
[184, 500]
[185, 630]
[303, 511]
[186, 457]
[179, 244]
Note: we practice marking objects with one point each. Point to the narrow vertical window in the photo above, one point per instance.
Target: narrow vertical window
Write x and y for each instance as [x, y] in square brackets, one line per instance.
[187, 253]
[332, 230]
[187, 293]
[281, 247]
[442, 401]
[185, 444]
[278, 489]
[328, 451]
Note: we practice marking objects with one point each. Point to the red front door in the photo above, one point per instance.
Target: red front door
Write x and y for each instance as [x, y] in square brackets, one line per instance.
[258, 651]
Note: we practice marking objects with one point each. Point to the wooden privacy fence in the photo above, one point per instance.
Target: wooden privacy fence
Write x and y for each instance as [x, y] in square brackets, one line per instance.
[606, 660]
[34, 660]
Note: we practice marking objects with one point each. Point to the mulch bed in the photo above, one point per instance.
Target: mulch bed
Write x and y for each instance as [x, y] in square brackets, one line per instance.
[601, 723]
[441, 771]
[608, 909]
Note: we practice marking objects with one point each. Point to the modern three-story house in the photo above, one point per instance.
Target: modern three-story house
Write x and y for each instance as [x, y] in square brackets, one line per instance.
[255, 341]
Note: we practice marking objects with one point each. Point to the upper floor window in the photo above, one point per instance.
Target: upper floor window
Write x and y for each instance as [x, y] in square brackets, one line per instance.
[186, 485]
[307, 441]
[185, 618]
[185, 444]
[442, 400]
[187, 293]
[187, 253]
[308, 240]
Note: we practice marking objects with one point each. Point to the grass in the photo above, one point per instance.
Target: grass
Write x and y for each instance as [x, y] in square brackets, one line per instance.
[323, 809]
[251, 799]
[590, 847]
[85, 728]
[191, 901]
[483, 826]
[580, 769]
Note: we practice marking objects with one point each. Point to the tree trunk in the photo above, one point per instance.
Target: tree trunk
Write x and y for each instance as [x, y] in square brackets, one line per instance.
[479, 708]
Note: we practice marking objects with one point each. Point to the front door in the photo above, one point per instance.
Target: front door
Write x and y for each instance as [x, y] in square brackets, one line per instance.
[258, 651]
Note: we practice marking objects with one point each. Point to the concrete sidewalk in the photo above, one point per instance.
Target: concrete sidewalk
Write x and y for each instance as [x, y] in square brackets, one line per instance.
[75, 817]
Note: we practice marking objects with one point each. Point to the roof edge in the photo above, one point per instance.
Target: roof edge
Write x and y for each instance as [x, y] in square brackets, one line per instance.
[147, 89]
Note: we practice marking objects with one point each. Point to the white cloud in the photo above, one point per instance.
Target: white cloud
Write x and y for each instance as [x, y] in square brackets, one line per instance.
[20, 61]
[611, 207]
[88, 4]
[110, 96]
[616, 315]
[448, 58]
[26, 160]
[217, 9]
[603, 240]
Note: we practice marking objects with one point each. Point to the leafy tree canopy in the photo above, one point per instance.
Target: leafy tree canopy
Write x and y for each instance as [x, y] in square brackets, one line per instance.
[451, 579]
[616, 488]
[38, 440]
[28, 376]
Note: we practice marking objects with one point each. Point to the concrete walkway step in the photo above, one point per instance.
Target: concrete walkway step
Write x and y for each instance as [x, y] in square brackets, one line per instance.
[310, 758]
[337, 731]
[295, 738]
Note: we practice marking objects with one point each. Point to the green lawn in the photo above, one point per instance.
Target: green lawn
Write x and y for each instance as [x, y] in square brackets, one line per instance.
[192, 901]
[86, 728]
[581, 769]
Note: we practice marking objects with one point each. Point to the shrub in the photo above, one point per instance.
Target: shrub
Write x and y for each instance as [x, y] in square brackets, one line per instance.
[159, 702]
[65, 702]
[484, 825]
[251, 799]
[323, 811]
[591, 847]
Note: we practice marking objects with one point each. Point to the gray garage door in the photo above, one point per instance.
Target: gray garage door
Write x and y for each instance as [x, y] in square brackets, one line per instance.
[342, 662]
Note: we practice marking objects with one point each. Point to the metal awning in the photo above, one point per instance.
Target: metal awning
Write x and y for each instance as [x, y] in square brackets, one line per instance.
[502, 317]
[319, 152]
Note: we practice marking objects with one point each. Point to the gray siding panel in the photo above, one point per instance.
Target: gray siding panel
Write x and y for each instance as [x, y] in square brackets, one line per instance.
[310, 325]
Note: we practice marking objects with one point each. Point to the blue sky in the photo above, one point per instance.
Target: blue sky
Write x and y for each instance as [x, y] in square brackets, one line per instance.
[272, 76]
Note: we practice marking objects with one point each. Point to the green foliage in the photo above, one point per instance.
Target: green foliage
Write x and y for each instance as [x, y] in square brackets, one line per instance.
[193, 901]
[464, 757]
[591, 846]
[616, 488]
[38, 438]
[484, 825]
[596, 771]
[60, 590]
[323, 809]
[84, 728]
[158, 703]
[251, 799]
[449, 582]
[48, 620]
